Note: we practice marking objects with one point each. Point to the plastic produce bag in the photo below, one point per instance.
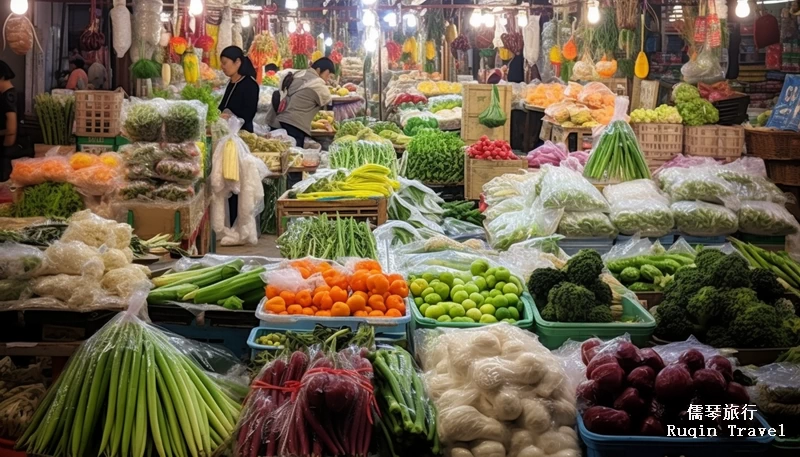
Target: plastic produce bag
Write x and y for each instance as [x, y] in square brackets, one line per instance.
[639, 207]
[29, 172]
[700, 183]
[750, 186]
[586, 224]
[549, 152]
[766, 218]
[458, 229]
[776, 391]
[530, 222]
[138, 358]
[73, 258]
[704, 68]
[401, 209]
[704, 219]
[147, 20]
[493, 116]
[121, 25]
[497, 386]
[564, 188]
[18, 261]
[95, 231]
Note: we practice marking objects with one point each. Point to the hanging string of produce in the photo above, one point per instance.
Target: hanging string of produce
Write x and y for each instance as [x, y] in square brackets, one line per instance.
[92, 39]
[19, 34]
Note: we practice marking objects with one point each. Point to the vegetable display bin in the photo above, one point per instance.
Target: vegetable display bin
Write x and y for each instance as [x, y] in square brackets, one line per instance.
[744, 356]
[553, 334]
[421, 321]
[572, 245]
[658, 446]
[478, 172]
[303, 322]
[255, 348]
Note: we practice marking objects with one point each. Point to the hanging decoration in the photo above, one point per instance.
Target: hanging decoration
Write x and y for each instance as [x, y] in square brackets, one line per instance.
[393, 51]
[92, 39]
[410, 53]
[430, 56]
[19, 34]
[264, 48]
[225, 36]
[121, 28]
[191, 66]
[203, 40]
[301, 43]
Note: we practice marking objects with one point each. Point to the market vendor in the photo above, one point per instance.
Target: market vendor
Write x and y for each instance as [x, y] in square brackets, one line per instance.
[78, 79]
[241, 94]
[8, 122]
[304, 93]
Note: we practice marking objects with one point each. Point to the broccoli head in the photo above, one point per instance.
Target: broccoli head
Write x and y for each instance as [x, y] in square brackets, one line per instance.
[785, 308]
[600, 314]
[672, 322]
[601, 291]
[766, 285]
[731, 272]
[720, 337]
[738, 300]
[705, 306]
[706, 259]
[684, 285]
[584, 267]
[542, 280]
[548, 313]
[571, 302]
[792, 328]
[759, 327]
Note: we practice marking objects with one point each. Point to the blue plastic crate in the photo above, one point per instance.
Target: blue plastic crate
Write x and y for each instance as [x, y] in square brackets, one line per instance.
[666, 240]
[572, 245]
[303, 322]
[255, 348]
[658, 446]
[704, 240]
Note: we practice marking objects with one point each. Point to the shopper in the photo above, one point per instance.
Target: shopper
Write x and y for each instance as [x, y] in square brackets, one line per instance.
[304, 94]
[8, 123]
[97, 76]
[78, 79]
[241, 94]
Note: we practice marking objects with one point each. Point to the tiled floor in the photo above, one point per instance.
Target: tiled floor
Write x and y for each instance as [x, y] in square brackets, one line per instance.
[265, 247]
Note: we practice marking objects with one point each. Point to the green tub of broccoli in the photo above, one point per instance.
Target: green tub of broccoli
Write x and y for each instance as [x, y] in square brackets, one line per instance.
[635, 321]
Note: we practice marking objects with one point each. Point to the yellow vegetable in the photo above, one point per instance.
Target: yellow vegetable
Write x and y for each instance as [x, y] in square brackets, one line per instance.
[82, 160]
[430, 50]
[570, 49]
[555, 55]
[191, 67]
[505, 54]
[450, 33]
[166, 74]
[230, 161]
[641, 68]
[316, 55]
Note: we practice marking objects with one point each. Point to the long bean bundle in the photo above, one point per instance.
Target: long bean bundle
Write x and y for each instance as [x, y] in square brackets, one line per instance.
[128, 391]
[327, 238]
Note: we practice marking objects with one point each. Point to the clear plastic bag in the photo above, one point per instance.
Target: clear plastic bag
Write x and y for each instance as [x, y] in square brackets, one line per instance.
[549, 152]
[95, 231]
[700, 183]
[73, 258]
[639, 207]
[597, 95]
[777, 390]
[530, 222]
[121, 28]
[750, 184]
[766, 218]
[704, 68]
[29, 172]
[567, 189]
[586, 224]
[400, 209]
[498, 392]
[178, 170]
[458, 229]
[704, 219]
[19, 261]
[511, 185]
[147, 20]
[443, 102]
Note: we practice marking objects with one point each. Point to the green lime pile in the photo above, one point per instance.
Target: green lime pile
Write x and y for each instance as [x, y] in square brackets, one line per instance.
[483, 294]
[273, 339]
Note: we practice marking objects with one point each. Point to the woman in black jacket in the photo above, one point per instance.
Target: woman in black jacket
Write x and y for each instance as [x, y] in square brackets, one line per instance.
[241, 94]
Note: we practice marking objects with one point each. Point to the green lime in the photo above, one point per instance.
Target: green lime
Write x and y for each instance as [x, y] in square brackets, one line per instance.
[502, 313]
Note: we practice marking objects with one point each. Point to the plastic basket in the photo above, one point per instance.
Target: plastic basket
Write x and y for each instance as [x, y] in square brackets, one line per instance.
[704, 240]
[666, 240]
[553, 334]
[303, 322]
[255, 348]
[572, 245]
[658, 446]
[421, 321]
[732, 111]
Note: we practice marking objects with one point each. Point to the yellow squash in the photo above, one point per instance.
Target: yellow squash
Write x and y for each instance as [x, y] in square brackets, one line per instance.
[505, 54]
[166, 74]
[450, 33]
[430, 50]
[191, 66]
[641, 68]
[230, 161]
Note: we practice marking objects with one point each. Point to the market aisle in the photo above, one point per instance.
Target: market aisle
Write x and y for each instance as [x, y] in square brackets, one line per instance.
[265, 247]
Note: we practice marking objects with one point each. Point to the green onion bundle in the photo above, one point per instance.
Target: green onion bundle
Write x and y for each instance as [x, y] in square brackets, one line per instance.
[617, 156]
[129, 390]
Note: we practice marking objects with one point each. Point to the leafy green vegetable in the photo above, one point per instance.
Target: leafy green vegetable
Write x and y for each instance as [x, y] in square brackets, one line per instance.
[327, 238]
[493, 116]
[49, 199]
[435, 157]
[698, 112]
[463, 211]
[143, 123]
[182, 123]
[352, 154]
[146, 69]
[349, 128]
[203, 93]
[381, 126]
[416, 124]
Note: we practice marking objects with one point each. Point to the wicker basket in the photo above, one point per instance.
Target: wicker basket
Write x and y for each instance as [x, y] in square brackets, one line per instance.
[772, 144]
[97, 113]
[786, 172]
[716, 141]
[659, 141]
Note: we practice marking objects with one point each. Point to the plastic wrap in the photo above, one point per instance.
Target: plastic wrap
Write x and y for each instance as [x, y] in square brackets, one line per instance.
[749, 183]
[704, 219]
[19, 261]
[225, 35]
[29, 172]
[95, 231]
[121, 25]
[455, 228]
[498, 392]
[173, 121]
[178, 170]
[511, 185]
[549, 152]
[73, 258]
[147, 20]
[401, 209]
[586, 224]
[704, 68]
[124, 281]
[699, 183]
[777, 391]
[567, 189]
[96, 180]
[530, 222]
[639, 207]
[443, 102]
[766, 218]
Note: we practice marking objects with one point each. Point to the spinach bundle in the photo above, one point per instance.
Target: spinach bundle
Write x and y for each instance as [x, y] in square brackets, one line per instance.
[435, 157]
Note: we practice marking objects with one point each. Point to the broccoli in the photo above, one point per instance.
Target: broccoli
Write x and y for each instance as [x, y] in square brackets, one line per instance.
[705, 306]
[571, 302]
[600, 314]
[792, 328]
[672, 322]
[730, 272]
[584, 267]
[629, 275]
[759, 327]
[548, 313]
[684, 285]
[542, 280]
[766, 285]
[738, 300]
[706, 259]
[719, 336]
[785, 308]
[602, 292]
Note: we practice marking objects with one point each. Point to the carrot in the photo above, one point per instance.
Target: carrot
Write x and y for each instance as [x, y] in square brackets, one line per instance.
[288, 297]
[378, 284]
[294, 309]
[340, 309]
[399, 287]
[275, 305]
[393, 313]
[376, 314]
[303, 298]
[356, 303]
[337, 294]
[376, 303]
[308, 311]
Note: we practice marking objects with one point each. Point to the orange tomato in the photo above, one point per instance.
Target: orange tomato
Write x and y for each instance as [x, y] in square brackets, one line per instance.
[395, 277]
[395, 302]
[304, 272]
[303, 298]
[294, 309]
[368, 309]
[360, 314]
[317, 299]
[368, 265]
[393, 313]
[323, 313]
[340, 309]
[356, 303]
[376, 314]
[337, 294]
[324, 266]
[321, 289]
[376, 302]
[327, 302]
[378, 284]
[275, 305]
[288, 297]
[308, 311]
[399, 287]
[284, 313]
[272, 291]
[358, 281]
[314, 309]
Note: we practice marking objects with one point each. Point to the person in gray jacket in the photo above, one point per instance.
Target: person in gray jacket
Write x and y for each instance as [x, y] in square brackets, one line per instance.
[302, 94]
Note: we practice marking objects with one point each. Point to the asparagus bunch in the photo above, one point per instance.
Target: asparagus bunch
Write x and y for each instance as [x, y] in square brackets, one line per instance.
[56, 116]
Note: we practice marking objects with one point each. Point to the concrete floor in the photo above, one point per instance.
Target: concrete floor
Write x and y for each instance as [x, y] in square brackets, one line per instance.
[266, 247]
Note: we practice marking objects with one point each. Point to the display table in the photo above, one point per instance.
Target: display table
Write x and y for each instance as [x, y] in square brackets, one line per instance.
[373, 209]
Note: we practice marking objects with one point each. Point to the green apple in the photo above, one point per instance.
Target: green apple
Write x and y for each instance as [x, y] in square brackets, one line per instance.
[480, 282]
[487, 309]
[499, 285]
[502, 274]
[444, 318]
[510, 288]
[512, 299]
[477, 298]
[479, 267]
[447, 278]
[457, 311]
[471, 288]
[488, 319]
[469, 304]
[500, 301]
[474, 314]
[490, 281]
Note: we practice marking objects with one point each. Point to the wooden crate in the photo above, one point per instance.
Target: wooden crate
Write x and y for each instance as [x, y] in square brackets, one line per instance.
[576, 138]
[476, 99]
[478, 172]
[97, 113]
[148, 219]
[617, 85]
[372, 209]
[717, 141]
[659, 141]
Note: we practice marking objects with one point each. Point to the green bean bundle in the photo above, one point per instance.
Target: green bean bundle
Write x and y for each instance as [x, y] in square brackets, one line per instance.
[128, 391]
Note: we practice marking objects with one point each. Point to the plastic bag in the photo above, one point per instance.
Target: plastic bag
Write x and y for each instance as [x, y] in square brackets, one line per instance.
[18, 261]
[549, 152]
[699, 183]
[95, 231]
[751, 186]
[29, 172]
[121, 25]
[498, 384]
[530, 222]
[173, 192]
[138, 189]
[704, 219]
[96, 180]
[458, 229]
[704, 68]
[597, 95]
[400, 209]
[73, 258]
[766, 218]
[147, 20]
[178, 170]
[639, 207]
[586, 224]
[564, 188]
[776, 391]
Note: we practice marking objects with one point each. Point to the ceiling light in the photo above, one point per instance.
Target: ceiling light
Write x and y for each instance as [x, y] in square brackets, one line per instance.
[368, 18]
[306, 27]
[245, 20]
[742, 8]
[292, 4]
[593, 14]
[488, 20]
[329, 42]
[196, 7]
[390, 19]
[475, 19]
[19, 6]
[292, 26]
[411, 20]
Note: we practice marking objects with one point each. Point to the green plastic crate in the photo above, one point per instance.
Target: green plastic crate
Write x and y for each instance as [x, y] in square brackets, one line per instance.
[553, 334]
[421, 321]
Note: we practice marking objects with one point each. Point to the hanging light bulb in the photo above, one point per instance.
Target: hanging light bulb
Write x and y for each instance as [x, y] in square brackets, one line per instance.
[19, 6]
[390, 19]
[195, 7]
[292, 26]
[306, 27]
[329, 42]
[522, 19]
[370, 45]
[475, 19]
[742, 8]
[488, 20]
[245, 20]
[373, 34]
[368, 18]
[411, 20]
[593, 14]
[503, 21]
[368, 2]
[292, 4]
